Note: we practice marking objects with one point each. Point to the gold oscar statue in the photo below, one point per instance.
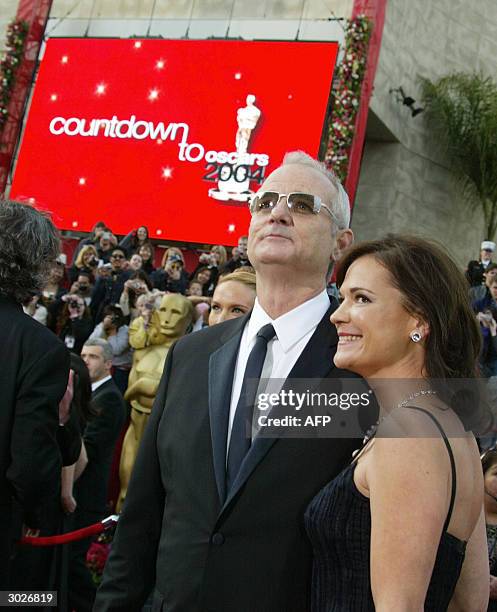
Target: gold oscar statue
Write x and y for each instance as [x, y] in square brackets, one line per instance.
[151, 338]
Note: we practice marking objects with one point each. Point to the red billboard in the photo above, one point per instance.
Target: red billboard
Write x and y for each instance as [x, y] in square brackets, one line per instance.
[172, 134]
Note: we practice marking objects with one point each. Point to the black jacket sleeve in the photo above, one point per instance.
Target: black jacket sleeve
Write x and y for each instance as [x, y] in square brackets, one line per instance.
[34, 471]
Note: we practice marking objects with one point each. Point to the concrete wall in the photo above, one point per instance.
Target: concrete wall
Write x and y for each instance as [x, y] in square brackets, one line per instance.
[277, 19]
[8, 9]
[405, 182]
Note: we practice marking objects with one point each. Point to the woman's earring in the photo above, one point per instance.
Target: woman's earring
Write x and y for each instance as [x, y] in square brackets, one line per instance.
[415, 336]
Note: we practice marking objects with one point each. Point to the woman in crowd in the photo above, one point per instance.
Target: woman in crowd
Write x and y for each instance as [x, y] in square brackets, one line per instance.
[98, 229]
[233, 297]
[135, 262]
[52, 293]
[146, 252]
[74, 323]
[86, 261]
[134, 240]
[214, 261]
[489, 465]
[113, 328]
[138, 284]
[402, 527]
[203, 277]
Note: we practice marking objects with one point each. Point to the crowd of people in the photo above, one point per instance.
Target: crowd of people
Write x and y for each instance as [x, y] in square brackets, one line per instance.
[109, 283]
[213, 514]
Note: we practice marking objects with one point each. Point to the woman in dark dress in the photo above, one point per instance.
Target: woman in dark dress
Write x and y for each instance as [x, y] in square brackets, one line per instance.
[402, 527]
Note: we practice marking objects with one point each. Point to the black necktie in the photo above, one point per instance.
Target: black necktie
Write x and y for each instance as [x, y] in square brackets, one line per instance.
[242, 423]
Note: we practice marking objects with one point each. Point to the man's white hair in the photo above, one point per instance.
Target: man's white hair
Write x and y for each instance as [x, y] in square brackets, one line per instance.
[341, 205]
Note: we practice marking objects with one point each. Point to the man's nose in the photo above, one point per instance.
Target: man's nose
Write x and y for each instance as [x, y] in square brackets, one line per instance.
[281, 212]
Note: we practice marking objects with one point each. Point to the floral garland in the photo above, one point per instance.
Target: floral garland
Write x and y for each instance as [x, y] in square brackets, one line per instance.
[17, 33]
[346, 95]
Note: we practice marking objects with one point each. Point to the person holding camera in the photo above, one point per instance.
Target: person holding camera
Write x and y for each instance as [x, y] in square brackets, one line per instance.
[96, 233]
[74, 324]
[113, 328]
[108, 288]
[106, 244]
[137, 284]
[172, 278]
[214, 261]
[83, 286]
[86, 261]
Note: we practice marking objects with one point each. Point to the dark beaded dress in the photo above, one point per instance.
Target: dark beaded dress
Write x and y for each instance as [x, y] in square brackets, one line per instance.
[338, 522]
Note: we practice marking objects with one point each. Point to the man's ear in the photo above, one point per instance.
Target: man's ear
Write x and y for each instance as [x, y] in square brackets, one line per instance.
[344, 239]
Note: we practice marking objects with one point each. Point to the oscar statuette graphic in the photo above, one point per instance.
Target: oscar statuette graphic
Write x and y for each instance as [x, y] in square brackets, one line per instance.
[234, 178]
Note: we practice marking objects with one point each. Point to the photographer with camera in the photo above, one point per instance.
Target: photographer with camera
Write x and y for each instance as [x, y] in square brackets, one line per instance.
[83, 286]
[137, 284]
[108, 288]
[172, 277]
[106, 244]
[86, 261]
[113, 328]
[74, 323]
[214, 262]
[96, 233]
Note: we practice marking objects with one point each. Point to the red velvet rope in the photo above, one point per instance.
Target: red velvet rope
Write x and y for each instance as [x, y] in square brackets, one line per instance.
[72, 536]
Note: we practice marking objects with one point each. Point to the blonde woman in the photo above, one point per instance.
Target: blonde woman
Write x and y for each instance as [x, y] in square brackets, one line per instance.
[233, 297]
[86, 261]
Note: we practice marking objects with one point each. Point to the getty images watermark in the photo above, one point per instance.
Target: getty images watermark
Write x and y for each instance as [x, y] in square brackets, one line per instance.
[349, 407]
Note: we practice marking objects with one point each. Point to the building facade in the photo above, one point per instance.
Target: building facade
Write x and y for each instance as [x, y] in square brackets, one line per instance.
[405, 183]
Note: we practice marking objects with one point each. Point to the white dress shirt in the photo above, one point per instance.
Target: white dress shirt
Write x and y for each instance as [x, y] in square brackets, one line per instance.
[293, 331]
[98, 383]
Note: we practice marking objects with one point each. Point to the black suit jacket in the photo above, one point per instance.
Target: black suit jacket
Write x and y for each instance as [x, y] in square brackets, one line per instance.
[100, 437]
[33, 378]
[249, 553]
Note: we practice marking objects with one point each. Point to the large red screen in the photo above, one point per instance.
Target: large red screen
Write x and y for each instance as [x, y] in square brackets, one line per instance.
[172, 134]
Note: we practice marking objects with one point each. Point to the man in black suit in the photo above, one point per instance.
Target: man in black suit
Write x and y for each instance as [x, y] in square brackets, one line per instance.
[214, 526]
[33, 380]
[108, 289]
[90, 490]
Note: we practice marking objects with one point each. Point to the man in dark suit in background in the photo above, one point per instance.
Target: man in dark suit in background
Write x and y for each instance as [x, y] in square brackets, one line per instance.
[90, 490]
[213, 520]
[33, 379]
[108, 289]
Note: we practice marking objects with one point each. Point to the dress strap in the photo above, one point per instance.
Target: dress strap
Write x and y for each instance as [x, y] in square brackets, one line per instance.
[452, 463]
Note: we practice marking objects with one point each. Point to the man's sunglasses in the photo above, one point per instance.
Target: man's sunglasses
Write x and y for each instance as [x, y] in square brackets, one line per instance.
[298, 203]
[118, 256]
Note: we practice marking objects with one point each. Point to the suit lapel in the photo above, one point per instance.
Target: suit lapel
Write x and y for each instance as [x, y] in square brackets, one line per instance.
[316, 361]
[221, 374]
